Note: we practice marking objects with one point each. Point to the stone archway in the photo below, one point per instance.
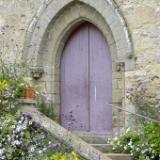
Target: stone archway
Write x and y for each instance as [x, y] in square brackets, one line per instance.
[50, 28]
[52, 8]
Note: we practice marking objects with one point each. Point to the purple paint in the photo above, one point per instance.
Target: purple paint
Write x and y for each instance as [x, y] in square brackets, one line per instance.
[100, 82]
[74, 81]
[86, 81]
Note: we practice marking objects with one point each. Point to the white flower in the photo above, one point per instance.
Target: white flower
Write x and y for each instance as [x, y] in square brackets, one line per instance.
[146, 150]
[18, 129]
[116, 138]
[49, 142]
[137, 149]
[32, 149]
[152, 157]
[13, 127]
[125, 147]
[16, 142]
[21, 84]
[44, 149]
[1, 151]
[9, 138]
[130, 143]
[22, 118]
[128, 129]
[20, 122]
[30, 122]
[40, 151]
[132, 146]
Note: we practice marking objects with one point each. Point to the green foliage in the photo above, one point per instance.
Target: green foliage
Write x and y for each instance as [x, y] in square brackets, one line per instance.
[123, 144]
[44, 104]
[144, 145]
[70, 156]
[152, 134]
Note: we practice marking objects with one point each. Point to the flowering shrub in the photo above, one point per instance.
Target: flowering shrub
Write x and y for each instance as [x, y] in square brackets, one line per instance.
[70, 156]
[10, 91]
[21, 138]
[12, 87]
[142, 146]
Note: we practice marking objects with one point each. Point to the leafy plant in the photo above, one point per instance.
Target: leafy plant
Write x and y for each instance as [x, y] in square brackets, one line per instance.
[142, 146]
[44, 104]
[70, 156]
[123, 144]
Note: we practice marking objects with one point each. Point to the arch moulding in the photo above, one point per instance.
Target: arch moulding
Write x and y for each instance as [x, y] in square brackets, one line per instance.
[50, 9]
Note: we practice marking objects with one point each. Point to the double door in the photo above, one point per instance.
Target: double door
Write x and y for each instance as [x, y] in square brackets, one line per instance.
[86, 81]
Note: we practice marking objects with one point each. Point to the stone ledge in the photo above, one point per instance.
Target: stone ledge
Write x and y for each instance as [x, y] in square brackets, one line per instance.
[27, 101]
[118, 156]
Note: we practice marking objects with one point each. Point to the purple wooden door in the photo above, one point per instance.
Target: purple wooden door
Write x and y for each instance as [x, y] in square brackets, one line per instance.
[86, 82]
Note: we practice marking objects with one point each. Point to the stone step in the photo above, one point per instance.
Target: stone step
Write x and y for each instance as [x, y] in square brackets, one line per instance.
[105, 148]
[118, 156]
[93, 138]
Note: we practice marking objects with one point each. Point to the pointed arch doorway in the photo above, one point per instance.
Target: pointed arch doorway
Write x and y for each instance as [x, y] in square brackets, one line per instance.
[86, 81]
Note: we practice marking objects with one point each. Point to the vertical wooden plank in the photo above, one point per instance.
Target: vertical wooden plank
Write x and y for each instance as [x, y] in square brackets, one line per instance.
[100, 82]
[74, 81]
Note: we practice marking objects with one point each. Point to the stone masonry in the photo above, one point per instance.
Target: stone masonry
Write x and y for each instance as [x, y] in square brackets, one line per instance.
[132, 28]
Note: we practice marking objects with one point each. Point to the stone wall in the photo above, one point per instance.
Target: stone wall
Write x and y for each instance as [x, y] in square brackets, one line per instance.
[142, 18]
[15, 16]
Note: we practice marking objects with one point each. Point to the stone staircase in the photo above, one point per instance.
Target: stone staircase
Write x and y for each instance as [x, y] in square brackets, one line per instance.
[102, 143]
[89, 146]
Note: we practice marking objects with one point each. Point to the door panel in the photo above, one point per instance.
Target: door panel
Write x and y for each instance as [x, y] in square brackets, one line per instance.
[74, 81]
[100, 82]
